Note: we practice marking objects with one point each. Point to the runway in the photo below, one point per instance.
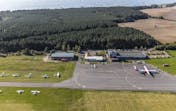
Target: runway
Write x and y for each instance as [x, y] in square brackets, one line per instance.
[114, 76]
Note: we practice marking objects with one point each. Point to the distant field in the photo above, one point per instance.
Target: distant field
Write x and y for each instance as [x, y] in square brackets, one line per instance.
[80, 100]
[24, 65]
[171, 61]
[162, 30]
[167, 13]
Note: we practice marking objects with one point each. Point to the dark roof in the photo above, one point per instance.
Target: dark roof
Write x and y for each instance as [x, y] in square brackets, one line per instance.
[62, 54]
[132, 54]
[126, 54]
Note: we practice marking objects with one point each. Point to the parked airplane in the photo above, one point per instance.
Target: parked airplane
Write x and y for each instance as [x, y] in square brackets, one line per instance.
[93, 66]
[45, 76]
[20, 91]
[15, 75]
[135, 68]
[35, 92]
[146, 71]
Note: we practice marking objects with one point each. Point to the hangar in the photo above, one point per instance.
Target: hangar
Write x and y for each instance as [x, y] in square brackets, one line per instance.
[63, 56]
[126, 55]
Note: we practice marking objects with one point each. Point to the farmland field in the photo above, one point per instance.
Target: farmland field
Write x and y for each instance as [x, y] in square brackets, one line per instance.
[171, 61]
[161, 30]
[168, 13]
[23, 65]
[81, 100]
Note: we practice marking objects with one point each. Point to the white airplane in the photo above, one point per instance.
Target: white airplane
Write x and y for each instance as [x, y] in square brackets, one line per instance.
[58, 75]
[20, 91]
[29, 75]
[135, 68]
[146, 71]
[45, 76]
[35, 92]
[15, 75]
[93, 66]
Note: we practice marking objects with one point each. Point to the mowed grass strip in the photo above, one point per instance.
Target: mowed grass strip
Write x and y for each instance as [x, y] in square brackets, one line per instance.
[47, 100]
[24, 65]
[82, 100]
[171, 61]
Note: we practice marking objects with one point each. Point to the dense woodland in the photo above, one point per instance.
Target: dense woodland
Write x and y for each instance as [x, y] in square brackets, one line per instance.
[82, 28]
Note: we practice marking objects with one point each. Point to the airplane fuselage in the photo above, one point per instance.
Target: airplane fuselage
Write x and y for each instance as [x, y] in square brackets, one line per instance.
[146, 70]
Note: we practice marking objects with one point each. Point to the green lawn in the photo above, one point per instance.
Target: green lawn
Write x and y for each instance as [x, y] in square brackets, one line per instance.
[80, 100]
[171, 61]
[24, 65]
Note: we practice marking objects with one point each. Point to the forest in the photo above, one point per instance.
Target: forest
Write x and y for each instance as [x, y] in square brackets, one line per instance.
[61, 29]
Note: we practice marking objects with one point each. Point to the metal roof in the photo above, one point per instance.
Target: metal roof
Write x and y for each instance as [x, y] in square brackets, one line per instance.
[127, 54]
[63, 54]
[98, 58]
[132, 54]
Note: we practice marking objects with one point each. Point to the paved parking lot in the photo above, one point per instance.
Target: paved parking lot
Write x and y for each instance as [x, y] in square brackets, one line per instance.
[121, 76]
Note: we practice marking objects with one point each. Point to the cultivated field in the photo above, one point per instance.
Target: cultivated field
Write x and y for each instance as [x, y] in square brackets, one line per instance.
[81, 100]
[168, 13]
[23, 65]
[162, 30]
[171, 61]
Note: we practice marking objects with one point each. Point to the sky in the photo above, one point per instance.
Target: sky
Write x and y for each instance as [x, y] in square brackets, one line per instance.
[52, 4]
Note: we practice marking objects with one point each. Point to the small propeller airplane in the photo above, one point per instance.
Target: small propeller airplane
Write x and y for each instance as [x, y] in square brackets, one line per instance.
[146, 71]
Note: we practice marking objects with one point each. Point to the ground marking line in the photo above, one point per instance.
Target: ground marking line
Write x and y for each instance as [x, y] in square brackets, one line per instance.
[126, 78]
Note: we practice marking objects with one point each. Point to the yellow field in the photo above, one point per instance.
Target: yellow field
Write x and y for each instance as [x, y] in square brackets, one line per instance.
[129, 101]
[162, 30]
[167, 13]
[15, 107]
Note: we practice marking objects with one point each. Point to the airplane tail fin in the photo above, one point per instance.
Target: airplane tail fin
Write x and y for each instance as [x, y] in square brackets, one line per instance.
[135, 68]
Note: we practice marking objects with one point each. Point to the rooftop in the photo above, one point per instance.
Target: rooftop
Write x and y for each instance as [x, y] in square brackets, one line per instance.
[62, 54]
[132, 54]
[127, 54]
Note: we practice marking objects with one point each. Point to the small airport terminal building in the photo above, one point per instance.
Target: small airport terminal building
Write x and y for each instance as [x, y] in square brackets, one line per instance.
[126, 55]
[94, 58]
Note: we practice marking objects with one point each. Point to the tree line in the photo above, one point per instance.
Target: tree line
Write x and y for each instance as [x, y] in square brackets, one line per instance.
[80, 28]
[171, 46]
[99, 38]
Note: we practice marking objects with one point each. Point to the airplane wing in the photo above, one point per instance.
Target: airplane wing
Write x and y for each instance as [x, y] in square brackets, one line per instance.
[153, 71]
[142, 71]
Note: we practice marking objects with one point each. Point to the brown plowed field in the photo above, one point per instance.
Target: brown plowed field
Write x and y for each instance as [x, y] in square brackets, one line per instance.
[162, 30]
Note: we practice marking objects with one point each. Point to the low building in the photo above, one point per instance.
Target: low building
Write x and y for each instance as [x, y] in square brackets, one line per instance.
[94, 58]
[126, 55]
[63, 56]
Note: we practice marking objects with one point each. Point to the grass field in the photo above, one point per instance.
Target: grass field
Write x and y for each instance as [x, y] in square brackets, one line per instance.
[24, 65]
[80, 100]
[171, 61]
[161, 30]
